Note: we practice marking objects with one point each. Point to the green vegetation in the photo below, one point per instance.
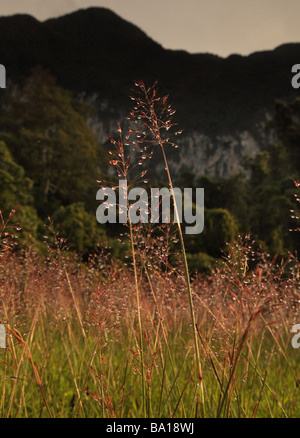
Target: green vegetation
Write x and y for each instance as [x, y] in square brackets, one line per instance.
[50, 160]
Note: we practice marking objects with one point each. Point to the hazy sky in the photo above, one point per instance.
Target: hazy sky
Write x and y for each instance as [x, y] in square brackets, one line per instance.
[216, 26]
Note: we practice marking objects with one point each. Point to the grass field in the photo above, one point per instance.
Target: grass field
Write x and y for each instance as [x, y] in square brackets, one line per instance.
[73, 347]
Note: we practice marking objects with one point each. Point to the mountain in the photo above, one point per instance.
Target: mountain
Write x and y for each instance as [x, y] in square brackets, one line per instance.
[222, 103]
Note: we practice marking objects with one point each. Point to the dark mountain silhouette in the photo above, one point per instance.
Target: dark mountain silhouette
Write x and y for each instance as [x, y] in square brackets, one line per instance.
[95, 51]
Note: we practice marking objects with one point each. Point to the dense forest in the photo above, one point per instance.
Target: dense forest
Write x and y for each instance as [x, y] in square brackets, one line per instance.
[51, 161]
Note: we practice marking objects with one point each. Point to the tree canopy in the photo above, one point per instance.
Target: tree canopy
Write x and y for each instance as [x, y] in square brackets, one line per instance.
[48, 136]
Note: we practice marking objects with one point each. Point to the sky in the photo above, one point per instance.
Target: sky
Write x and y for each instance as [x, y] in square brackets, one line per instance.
[221, 27]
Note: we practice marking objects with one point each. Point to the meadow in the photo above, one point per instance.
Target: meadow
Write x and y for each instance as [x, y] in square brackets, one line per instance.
[73, 346]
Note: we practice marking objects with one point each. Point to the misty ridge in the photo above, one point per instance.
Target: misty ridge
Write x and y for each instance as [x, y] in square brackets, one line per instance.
[222, 103]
